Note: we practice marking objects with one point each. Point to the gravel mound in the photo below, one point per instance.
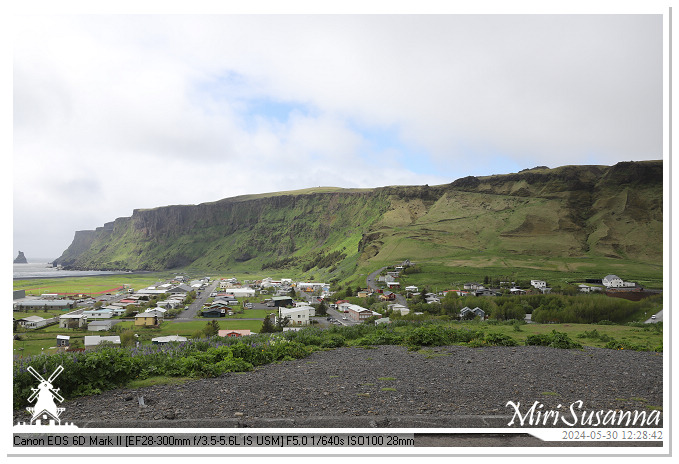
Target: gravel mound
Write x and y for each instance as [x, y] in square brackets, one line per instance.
[383, 386]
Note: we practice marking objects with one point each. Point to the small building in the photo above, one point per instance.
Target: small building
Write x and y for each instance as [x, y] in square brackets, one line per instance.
[99, 326]
[243, 292]
[167, 339]
[398, 308]
[467, 312]
[63, 340]
[382, 320]
[44, 305]
[145, 319]
[411, 289]
[66, 320]
[279, 301]
[93, 341]
[298, 315]
[538, 284]
[234, 333]
[359, 313]
[32, 322]
[98, 314]
[214, 312]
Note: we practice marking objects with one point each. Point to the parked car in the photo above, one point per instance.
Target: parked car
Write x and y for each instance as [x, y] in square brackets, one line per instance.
[653, 317]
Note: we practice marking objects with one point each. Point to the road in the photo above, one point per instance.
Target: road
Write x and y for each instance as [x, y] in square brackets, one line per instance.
[658, 318]
[371, 282]
[191, 313]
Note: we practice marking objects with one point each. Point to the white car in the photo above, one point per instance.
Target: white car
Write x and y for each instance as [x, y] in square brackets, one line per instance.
[653, 317]
[344, 318]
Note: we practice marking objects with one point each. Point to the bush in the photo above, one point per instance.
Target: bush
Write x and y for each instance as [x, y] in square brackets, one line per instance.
[555, 340]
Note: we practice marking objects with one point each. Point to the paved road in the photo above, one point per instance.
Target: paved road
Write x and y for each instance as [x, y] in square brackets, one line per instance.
[190, 313]
[658, 318]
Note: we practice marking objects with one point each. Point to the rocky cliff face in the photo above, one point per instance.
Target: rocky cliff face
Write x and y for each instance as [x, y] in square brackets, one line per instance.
[568, 211]
[20, 259]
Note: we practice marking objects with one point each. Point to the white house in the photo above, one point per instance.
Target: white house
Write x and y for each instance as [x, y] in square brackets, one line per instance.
[412, 289]
[478, 312]
[92, 341]
[244, 292]
[160, 312]
[613, 281]
[167, 339]
[100, 326]
[33, 322]
[539, 284]
[299, 315]
[395, 307]
[67, 318]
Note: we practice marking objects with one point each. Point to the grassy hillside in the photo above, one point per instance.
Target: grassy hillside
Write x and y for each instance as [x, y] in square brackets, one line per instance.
[587, 221]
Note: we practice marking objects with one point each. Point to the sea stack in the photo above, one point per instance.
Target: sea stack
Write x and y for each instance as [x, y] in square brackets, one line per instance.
[21, 259]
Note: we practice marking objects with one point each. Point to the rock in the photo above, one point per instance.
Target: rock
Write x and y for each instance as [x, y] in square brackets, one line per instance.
[20, 259]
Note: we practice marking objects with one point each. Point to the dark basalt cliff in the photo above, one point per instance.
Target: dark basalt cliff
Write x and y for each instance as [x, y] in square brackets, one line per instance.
[20, 259]
[613, 212]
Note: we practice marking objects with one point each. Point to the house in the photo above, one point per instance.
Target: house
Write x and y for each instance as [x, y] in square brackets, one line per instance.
[412, 289]
[359, 314]
[160, 312]
[244, 292]
[613, 281]
[33, 322]
[393, 284]
[67, 319]
[234, 333]
[398, 308]
[487, 292]
[92, 341]
[387, 296]
[44, 305]
[432, 298]
[298, 315]
[467, 312]
[279, 301]
[382, 320]
[98, 314]
[517, 291]
[181, 288]
[363, 294]
[473, 286]
[538, 284]
[145, 319]
[214, 312]
[63, 340]
[99, 326]
[167, 339]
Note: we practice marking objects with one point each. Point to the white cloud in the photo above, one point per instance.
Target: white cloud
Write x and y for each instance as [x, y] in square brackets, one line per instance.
[113, 113]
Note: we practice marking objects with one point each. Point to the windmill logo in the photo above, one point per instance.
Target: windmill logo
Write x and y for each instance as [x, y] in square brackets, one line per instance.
[45, 408]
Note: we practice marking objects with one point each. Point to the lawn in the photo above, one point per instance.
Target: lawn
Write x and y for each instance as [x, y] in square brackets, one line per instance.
[90, 285]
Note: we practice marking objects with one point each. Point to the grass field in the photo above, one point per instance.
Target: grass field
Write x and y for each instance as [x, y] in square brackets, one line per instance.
[91, 285]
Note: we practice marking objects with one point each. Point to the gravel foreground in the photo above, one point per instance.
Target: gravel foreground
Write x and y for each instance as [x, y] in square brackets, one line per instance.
[388, 386]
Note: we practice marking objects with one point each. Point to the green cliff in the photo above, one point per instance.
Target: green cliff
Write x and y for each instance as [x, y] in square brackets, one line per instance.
[571, 212]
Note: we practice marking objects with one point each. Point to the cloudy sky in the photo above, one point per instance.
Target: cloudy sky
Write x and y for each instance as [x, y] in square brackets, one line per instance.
[117, 112]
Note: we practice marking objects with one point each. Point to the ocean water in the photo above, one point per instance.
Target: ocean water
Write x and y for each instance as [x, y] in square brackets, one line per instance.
[45, 270]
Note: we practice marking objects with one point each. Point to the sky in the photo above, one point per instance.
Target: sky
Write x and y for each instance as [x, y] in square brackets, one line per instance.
[113, 112]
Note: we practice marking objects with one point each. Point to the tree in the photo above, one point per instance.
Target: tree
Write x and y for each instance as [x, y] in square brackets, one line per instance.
[211, 329]
[267, 326]
[127, 338]
[322, 309]
[283, 322]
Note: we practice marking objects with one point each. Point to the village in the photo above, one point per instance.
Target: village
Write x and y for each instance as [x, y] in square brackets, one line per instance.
[279, 305]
